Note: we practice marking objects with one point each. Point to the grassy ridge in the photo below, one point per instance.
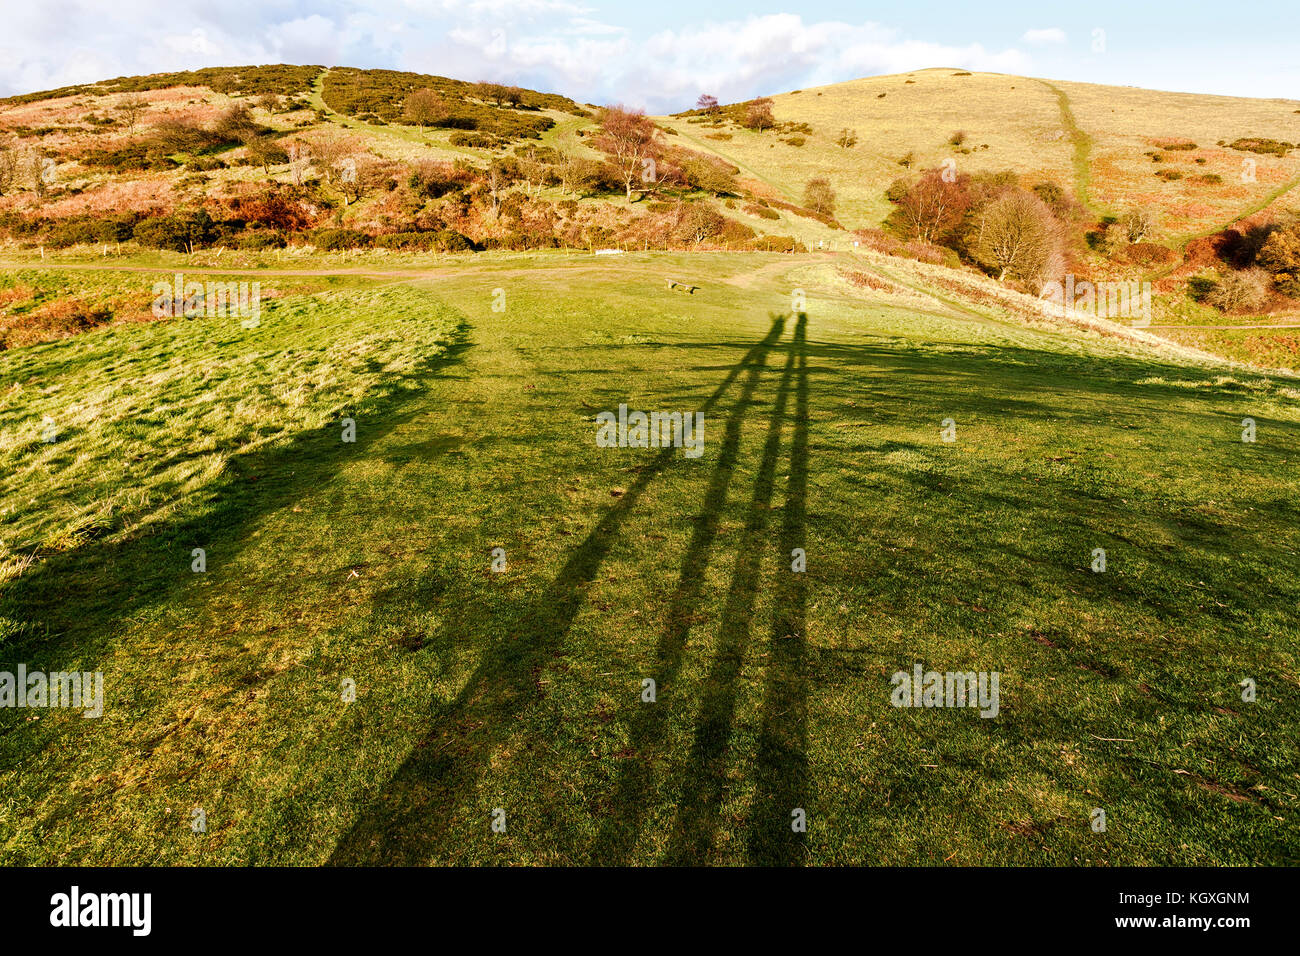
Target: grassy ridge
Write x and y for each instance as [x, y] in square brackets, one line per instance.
[521, 690]
[148, 415]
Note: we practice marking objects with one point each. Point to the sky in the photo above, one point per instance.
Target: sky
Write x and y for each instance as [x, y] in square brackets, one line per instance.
[661, 55]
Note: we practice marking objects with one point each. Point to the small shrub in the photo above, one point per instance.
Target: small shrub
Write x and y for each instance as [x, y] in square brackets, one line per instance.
[473, 140]
[445, 240]
[180, 232]
[255, 241]
[1149, 254]
[776, 244]
[330, 239]
[55, 320]
[1244, 291]
[1257, 144]
[89, 231]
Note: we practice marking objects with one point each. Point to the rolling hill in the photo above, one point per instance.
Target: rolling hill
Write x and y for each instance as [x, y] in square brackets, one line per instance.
[364, 585]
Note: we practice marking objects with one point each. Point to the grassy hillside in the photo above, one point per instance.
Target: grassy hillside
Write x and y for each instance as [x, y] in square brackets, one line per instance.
[1015, 118]
[1019, 123]
[398, 641]
[521, 690]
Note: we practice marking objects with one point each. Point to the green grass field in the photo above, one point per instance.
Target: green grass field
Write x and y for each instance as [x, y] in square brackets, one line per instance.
[521, 690]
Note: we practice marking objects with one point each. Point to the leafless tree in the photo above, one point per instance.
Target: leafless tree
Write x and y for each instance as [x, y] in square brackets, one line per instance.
[131, 109]
[1017, 235]
[1138, 223]
[632, 141]
[300, 157]
[758, 114]
[819, 196]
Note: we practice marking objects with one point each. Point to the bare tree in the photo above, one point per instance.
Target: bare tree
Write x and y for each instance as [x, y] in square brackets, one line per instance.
[35, 169]
[335, 155]
[299, 154]
[1138, 223]
[1240, 291]
[1017, 235]
[535, 173]
[819, 196]
[708, 103]
[847, 139]
[264, 151]
[496, 183]
[131, 109]
[577, 174]
[758, 114]
[632, 141]
[237, 123]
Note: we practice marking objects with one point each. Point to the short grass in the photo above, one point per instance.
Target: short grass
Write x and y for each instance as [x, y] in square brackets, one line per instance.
[1016, 118]
[1125, 124]
[1089, 137]
[521, 690]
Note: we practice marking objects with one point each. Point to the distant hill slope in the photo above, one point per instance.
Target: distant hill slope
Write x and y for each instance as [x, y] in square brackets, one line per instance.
[264, 157]
[1095, 140]
[1187, 156]
[277, 78]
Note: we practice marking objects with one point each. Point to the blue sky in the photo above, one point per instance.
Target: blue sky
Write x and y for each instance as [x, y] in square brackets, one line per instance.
[661, 55]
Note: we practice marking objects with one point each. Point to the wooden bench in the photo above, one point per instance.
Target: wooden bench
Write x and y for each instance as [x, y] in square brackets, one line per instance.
[676, 286]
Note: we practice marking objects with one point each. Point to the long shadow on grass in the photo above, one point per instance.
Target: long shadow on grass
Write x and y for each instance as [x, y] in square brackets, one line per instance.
[617, 836]
[781, 766]
[704, 776]
[406, 822]
[79, 598]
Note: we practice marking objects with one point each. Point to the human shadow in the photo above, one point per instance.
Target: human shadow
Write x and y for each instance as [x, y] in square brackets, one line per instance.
[697, 811]
[407, 818]
[781, 765]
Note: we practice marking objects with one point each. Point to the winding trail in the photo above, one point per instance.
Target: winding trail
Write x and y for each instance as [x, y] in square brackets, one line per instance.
[1082, 149]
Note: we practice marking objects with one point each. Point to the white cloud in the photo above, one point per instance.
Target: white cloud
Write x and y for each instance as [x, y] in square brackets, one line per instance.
[553, 45]
[1045, 37]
